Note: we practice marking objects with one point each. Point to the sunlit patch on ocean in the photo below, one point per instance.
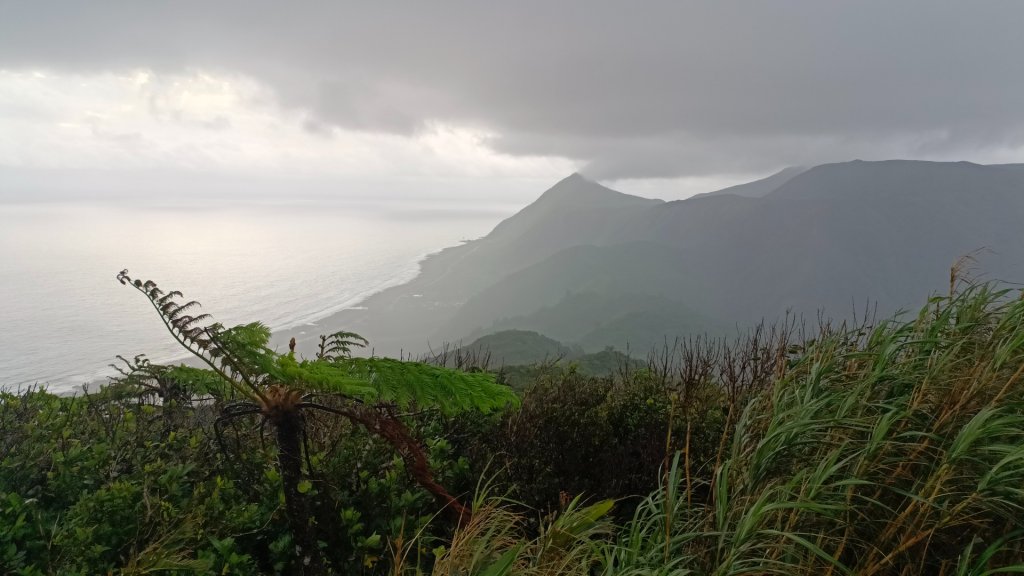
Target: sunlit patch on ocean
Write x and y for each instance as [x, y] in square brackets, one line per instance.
[65, 318]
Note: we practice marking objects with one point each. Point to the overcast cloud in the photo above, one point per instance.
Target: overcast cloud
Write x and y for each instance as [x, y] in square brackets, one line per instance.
[620, 90]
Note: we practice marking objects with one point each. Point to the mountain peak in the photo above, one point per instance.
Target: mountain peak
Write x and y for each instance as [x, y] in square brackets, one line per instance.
[574, 198]
[577, 189]
[573, 183]
[575, 177]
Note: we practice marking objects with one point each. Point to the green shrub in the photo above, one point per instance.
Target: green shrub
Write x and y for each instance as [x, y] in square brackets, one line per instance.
[600, 437]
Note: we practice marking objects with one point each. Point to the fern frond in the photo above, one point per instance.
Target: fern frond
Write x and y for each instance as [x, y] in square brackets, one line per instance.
[403, 384]
[140, 377]
[174, 309]
[241, 358]
[137, 374]
[200, 381]
[130, 366]
[189, 331]
[339, 345]
[188, 322]
[169, 296]
[243, 349]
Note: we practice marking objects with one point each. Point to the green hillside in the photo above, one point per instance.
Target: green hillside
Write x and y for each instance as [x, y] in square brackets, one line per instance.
[893, 448]
[519, 347]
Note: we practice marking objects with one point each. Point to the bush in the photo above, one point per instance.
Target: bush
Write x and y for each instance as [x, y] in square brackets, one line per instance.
[599, 437]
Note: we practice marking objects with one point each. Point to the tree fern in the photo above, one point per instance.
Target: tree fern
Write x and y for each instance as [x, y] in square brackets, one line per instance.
[279, 387]
[242, 357]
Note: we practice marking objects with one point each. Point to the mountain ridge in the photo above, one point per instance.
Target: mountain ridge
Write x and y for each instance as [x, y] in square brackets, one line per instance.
[758, 188]
[832, 237]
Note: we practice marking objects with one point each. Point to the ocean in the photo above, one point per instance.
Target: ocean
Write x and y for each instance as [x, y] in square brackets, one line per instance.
[64, 318]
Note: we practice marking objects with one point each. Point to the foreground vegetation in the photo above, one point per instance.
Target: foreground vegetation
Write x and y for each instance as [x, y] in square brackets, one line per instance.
[896, 448]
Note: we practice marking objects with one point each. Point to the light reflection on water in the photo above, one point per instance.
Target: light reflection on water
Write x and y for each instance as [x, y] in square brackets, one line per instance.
[63, 317]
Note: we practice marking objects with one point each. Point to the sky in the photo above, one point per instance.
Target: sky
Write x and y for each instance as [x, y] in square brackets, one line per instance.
[494, 100]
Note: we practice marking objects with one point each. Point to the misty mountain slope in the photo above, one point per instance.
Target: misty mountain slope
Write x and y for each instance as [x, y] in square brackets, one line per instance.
[569, 213]
[636, 268]
[904, 178]
[625, 320]
[595, 320]
[519, 347]
[890, 230]
[837, 237]
[759, 188]
[575, 211]
[841, 234]
[834, 237]
[644, 330]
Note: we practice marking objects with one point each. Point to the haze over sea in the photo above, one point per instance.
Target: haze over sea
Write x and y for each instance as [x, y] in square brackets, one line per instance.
[64, 317]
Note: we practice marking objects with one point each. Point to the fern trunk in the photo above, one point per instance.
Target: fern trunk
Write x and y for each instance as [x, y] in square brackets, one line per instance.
[309, 559]
[416, 463]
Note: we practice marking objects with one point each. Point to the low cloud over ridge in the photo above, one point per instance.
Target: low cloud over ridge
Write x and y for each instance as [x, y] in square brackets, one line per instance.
[655, 90]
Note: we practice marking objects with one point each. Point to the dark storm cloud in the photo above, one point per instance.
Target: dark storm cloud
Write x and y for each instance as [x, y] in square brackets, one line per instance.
[630, 89]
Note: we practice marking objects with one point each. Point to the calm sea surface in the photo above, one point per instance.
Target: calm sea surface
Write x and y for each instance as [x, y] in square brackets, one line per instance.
[63, 316]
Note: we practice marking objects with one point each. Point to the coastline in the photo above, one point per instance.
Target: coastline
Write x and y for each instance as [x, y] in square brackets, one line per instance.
[357, 315]
[398, 319]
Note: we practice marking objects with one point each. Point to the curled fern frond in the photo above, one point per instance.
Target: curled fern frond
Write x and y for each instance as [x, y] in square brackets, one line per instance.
[218, 348]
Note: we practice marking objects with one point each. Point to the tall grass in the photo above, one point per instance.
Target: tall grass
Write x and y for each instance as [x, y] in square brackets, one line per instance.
[494, 541]
[896, 449]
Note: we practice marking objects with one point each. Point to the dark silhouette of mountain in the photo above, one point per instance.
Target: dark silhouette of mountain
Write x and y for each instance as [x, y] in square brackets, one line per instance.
[590, 266]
